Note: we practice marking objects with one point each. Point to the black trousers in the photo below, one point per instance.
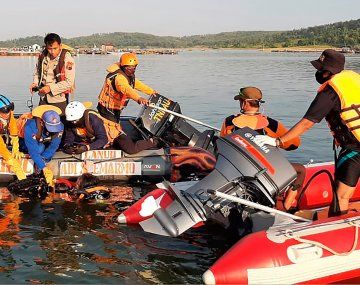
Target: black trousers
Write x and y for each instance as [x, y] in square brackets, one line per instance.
[126, 144]
[348, 167]
[110, 114]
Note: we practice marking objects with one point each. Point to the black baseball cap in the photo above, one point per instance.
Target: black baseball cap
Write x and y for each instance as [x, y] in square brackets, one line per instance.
[330, 60]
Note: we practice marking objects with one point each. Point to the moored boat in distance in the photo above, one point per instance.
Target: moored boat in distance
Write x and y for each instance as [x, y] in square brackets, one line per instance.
[32, 50]
[18, 53]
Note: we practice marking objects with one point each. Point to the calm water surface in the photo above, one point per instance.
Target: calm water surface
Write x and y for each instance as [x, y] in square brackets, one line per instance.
[62, 242]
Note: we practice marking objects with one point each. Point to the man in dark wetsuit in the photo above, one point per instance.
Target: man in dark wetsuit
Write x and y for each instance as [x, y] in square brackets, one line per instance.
[338, 101]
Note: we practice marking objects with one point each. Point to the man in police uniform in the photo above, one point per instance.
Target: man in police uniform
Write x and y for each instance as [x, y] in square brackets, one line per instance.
[338, 101]
[54, 75]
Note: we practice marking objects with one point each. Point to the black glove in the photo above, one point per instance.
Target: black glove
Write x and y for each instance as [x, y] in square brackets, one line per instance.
[80, 148]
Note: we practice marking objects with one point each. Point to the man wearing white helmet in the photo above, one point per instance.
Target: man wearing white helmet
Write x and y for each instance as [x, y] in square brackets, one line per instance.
[88, 130]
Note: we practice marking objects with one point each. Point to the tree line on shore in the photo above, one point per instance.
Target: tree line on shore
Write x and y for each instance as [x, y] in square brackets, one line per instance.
[337, 34]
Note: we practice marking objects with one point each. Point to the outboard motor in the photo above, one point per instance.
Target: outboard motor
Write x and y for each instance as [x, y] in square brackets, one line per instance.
[172, 129]
[243, 169]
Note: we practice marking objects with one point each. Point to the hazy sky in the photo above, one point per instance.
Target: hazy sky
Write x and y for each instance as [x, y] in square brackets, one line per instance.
[70, 18]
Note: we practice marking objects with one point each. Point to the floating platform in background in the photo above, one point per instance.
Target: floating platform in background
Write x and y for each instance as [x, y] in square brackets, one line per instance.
[151, 51]
[18, 53]
[309, 49]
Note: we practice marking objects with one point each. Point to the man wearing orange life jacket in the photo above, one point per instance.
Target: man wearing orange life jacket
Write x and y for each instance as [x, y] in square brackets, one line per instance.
[54, 76]
[120, 86]
[88, 130]
[338, 101]
[250, 99]
[8, 128]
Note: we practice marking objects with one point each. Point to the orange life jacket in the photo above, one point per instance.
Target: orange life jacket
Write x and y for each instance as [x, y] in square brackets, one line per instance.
[260, 123]
[21, 121]
[346, 84]
[59, 71]
[110, 97]
[113, 130]
[256, 122]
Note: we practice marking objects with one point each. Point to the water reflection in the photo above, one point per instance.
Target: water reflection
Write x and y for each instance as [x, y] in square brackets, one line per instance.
[57, 241]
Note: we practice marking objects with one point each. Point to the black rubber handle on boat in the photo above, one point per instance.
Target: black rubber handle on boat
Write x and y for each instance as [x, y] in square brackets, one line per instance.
[211, 191]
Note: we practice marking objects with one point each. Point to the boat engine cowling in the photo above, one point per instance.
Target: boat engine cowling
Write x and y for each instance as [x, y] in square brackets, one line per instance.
[243, 169]
[261, 173]
[172, 129]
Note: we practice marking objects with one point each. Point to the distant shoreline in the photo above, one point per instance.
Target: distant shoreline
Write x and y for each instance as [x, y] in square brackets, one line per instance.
[302, 49]
[275, 49]
[343, 35]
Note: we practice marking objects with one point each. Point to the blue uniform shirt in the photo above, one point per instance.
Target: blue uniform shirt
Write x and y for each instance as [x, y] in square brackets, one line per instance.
[40, 152]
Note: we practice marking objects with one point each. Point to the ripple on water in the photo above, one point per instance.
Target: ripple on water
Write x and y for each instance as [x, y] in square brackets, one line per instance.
[65, 242]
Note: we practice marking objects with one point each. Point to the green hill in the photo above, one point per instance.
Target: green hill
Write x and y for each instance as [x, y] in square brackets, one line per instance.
[337, 34]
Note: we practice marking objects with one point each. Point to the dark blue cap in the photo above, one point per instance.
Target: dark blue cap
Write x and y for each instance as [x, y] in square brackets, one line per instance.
[52, 122]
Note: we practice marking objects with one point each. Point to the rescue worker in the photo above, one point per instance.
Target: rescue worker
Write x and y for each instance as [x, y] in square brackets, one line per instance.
[8, 129]
[338, 101]
[54, 76]
[88, 130]
[42, 131]
[250, 116]
[120, 86]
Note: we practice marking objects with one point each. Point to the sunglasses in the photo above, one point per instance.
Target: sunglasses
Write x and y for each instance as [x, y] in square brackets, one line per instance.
[8, 108]
[258, 100]
[130, 67]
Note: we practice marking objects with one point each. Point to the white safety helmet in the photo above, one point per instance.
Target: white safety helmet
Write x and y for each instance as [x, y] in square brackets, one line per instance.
[74, 111]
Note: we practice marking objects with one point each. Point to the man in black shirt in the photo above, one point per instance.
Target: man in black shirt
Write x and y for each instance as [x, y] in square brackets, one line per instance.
[338, 101]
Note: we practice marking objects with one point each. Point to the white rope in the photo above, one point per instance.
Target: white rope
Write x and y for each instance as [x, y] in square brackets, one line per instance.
[183, 116]
[290, 234]
[259, 206]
